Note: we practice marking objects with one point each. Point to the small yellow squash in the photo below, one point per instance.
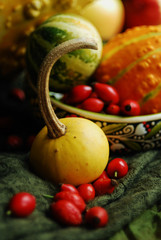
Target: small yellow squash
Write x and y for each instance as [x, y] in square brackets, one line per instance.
[69, 150]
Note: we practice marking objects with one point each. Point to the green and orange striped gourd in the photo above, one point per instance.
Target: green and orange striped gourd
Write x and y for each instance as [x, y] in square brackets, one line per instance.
[131, 62]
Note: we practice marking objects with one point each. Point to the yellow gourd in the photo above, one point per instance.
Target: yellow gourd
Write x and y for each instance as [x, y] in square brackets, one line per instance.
[69, 150]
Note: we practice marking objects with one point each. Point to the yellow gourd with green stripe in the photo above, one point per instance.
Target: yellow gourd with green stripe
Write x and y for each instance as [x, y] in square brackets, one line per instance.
[131, 62]
[73, 68]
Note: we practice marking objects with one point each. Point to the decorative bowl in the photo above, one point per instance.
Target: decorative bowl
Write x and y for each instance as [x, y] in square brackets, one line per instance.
[125, 134]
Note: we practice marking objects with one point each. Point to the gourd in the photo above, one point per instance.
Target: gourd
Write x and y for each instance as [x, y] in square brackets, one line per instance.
[107, 16]
[73, 68]
[69, 150]
[131, 62]
[18, 19]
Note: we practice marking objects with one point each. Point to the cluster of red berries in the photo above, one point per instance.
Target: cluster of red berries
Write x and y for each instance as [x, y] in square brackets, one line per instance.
[100, 97]
[12, 123]
[69, 206]
[117, 168]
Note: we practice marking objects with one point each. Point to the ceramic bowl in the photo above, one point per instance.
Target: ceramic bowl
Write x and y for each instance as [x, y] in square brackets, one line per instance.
[125, 134]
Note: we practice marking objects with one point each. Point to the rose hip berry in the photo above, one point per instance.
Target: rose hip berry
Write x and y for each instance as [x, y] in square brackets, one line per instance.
[18, 94]
[78, 94]
[93, 95]
[96, 217]
[106, 92]
[103, 175]
[104, 186]
[92, 104]
[14, 142]
[117, 168]
[66, 213]
[130, 108]
[22, 204]
[68, 187]
[75, 198]
[113, 109]
[87, 191]
[71, 115]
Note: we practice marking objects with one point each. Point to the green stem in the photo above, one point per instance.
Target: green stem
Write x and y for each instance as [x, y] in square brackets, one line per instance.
[8, 212]
[48, 196]
[115, 174]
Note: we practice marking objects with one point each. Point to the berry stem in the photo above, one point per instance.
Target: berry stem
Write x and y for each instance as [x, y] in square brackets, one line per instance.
[115, 174]
[48, 196]
[9, 212]
[55, 127]
[114, 182]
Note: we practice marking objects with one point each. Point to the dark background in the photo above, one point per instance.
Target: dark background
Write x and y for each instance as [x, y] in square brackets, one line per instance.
[17, 125]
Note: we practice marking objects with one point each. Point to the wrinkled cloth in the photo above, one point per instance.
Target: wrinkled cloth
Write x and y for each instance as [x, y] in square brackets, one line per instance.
[134, 208]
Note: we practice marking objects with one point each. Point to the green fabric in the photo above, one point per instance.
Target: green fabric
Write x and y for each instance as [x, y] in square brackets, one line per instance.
[134, 207]
[147, 226]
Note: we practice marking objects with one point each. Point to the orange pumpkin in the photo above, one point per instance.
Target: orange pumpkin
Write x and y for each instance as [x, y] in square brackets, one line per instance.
[131, 62]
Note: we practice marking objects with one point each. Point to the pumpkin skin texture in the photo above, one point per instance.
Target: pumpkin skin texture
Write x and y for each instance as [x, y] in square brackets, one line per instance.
[78, 157]
[131, 62]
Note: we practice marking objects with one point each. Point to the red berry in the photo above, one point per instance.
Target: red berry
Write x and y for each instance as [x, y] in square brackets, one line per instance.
[96, 217]
[66, 213]
[75, 198]
[78, 94]
[106, 92]
[103, 175]
[93, 105]
[86, 191]
[68, 187]
[18, 94]
[22, 204]
[117, 168]
[14, 142]
[113, 109]
[78, 106]
[93, 95]
[71, 115]
[104, 186]
[130, 108]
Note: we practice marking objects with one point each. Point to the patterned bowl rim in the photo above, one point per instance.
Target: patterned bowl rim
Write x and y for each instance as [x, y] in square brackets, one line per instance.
[101, 116]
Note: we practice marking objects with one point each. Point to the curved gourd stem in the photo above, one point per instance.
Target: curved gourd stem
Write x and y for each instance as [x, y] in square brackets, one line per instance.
[55, 127]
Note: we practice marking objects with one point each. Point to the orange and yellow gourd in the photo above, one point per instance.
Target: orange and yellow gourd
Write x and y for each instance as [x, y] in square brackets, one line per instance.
[131, 62]
[18, 19]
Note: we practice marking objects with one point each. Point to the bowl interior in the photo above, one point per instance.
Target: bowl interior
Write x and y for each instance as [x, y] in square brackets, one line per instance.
[55, 99]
